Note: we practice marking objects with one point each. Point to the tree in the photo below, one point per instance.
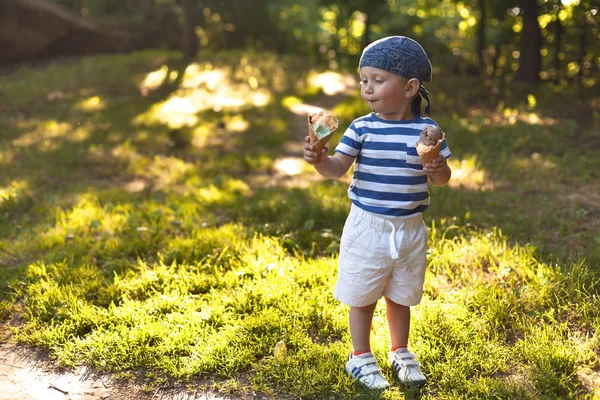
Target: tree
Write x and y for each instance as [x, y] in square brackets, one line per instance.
[530, 44]
[190, 40]
[372, 11]
[558, 31]
[587, 27]
[481, 43]
[582, 51]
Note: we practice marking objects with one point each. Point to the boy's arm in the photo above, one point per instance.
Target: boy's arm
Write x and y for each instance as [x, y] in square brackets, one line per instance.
[332, 167]
[438, 171]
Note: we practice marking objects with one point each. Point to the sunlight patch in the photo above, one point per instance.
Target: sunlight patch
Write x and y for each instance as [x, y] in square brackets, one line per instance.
[214, 194]
[331, 83]
[166, 171]
[304, 109]
[87, 215]
[536, 162]
[196, 76]
[94, 103]
[290, 101]
[204, 88]
[511, 116]
[203, 93]
[160, 172]
[79, 135]
[153, 80]
[261, 99]
[43, 131]
[13, 191]
[508, 116]
[123, 152]
[468, 174]
[201, 136]
[289, 165]
[135, 186]
[263, 255]
[211, 194]
[237, 124]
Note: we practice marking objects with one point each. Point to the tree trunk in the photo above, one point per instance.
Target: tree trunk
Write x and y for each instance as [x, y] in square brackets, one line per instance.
[481, 36]
[530, 44]
[190, 40]
[558, 30]
[582, 51]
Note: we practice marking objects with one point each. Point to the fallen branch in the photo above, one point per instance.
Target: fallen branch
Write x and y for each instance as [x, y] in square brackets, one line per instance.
[51, 386]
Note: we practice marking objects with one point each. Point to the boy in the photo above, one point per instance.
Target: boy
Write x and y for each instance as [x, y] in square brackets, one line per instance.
[384, 241]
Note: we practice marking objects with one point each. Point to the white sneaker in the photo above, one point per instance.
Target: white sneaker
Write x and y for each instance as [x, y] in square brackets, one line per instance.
[364, 368]
[407, 367]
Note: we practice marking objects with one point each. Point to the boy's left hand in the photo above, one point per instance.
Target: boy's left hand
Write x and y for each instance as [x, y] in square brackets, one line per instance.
[436, 167]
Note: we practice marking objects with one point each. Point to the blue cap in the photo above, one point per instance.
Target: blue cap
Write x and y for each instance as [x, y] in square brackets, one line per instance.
[400, 55]
[404, 57]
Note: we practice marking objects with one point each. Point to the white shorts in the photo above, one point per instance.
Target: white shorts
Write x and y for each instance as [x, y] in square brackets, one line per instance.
[381, 256]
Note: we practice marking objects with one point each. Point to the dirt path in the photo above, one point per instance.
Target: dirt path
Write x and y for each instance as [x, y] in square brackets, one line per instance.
[28, 374]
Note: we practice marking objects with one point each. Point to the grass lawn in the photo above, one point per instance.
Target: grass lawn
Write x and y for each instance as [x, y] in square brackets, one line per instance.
[146, 228]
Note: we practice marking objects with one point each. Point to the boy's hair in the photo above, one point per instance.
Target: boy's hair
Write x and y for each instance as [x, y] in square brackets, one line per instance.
[404, 57]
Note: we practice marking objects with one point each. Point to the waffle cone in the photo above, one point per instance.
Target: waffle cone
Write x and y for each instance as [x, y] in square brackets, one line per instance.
[429, 153]
[322, 118]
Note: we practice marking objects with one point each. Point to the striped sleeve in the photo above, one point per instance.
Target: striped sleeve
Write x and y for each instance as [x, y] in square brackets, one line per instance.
[351, 143]
[445, 150]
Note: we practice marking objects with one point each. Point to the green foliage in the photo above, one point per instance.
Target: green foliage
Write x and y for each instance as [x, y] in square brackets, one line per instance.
[335, 32]
[182, 250]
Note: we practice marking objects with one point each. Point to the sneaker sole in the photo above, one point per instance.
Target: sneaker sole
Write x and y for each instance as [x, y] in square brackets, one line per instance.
[365, 386]
[418, 384]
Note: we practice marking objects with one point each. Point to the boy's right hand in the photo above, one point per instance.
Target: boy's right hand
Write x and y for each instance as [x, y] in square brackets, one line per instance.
[310, 156]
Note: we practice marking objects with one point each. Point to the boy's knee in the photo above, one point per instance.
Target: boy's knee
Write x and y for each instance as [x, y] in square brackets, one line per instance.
[392, 303]
[368, 308]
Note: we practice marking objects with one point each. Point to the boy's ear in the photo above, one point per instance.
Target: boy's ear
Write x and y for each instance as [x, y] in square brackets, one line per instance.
[412, 88]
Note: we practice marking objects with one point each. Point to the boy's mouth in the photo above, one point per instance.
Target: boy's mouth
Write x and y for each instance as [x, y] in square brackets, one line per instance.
[372, 103]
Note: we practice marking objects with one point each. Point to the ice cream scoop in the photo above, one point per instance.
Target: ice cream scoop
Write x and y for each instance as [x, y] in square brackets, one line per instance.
[430, 143]
[320, 128]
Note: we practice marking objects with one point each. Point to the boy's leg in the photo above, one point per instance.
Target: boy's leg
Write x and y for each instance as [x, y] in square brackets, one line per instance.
[360, 320]
[403, 361]
[398, 317]
[361, 363]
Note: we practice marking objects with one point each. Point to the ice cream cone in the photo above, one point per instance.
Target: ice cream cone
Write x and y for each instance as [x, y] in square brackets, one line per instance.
[428, 151]
[320, 129]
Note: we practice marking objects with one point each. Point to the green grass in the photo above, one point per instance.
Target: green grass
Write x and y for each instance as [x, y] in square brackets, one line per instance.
[143, 231]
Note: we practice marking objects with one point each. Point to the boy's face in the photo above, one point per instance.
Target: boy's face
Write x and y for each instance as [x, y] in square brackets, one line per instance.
[386, 93]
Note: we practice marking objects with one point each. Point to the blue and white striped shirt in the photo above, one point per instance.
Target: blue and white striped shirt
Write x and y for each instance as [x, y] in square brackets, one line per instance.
[388, 174]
